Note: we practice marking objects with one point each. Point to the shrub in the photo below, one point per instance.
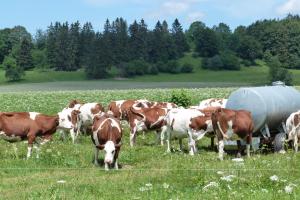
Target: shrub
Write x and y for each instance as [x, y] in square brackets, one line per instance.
[173, 67]
[247, 63]
[278, 73]
[161, 66]
[187, 68]
[181, 98]
[135, 67]
[153, 70]
[230, 61]
[13, 72]
[213, 63]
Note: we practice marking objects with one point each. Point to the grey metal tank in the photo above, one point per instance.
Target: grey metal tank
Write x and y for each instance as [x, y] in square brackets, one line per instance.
[269, 105]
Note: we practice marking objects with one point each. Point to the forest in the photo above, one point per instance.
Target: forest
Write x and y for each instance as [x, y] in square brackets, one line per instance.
[135, 49]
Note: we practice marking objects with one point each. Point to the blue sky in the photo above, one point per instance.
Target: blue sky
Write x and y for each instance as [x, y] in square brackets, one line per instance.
[34, 14]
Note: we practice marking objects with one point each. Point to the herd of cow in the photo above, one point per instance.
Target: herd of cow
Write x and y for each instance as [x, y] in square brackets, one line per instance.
[210, 119]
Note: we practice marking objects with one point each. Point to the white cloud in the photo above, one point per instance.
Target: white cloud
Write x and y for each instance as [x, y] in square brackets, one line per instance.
[173, 8]
[290, 6]
[195, 16]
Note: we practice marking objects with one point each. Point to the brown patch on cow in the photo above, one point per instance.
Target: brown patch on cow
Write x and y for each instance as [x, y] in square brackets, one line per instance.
[209, 110]
[98, 108]
[199, 123]
[74, 117]
[74, 102]
[296, 119]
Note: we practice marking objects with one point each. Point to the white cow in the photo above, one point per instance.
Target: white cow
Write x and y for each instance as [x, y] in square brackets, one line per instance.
[213, 102]
[179, 126]
[293, 128]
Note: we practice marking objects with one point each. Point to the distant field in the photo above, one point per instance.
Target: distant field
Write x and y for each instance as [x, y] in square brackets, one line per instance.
[66, 171]
[257, 75]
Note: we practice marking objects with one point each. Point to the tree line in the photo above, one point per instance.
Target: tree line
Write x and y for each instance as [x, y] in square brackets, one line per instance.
[135, 49]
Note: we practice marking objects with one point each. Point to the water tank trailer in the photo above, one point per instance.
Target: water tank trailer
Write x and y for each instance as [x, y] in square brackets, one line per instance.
[270, 106]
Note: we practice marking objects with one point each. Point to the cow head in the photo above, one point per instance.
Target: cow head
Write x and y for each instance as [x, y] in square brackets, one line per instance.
[75, 119]
[65, 121]
[110, 149]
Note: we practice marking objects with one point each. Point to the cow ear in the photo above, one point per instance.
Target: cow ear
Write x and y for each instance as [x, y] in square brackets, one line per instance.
[100, 146]
[118, 145]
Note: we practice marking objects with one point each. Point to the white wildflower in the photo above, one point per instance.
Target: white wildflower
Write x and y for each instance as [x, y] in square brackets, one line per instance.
[61, 181]
[289, 188]
[228, 178]
[264, 190]
[238, 160]
[148, 185]
[211, 184]
[274, 178]
[220, 172]
[142, 189]
[229, 187]
[166, 185]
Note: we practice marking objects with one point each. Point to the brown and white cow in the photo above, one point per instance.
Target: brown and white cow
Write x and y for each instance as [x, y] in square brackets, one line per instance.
[213, 102]
[232, 125]
[120, 108]
[18, 126]
[81, 116]
[293, 129]
[146, 119]
[107, 135]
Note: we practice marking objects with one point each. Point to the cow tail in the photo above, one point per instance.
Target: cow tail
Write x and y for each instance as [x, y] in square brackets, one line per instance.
[220, 129]
[137, 113]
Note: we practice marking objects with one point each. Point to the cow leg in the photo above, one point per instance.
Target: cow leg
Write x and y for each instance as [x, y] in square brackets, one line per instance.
[37, 148]
[248, 145]
[296, 143]
[212, 140]
[162, 135]
[239, 145]
[31, 140]
[132, 136]
[158, 136]
[221, 148]
[180, 144]
[73, 135]
[192, 144]
[143, 135]
[106, 167]
[116, 164]
[96, 154]
[168, 140]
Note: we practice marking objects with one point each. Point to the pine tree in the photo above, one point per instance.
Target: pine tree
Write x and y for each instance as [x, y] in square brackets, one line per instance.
[87, 37]
[23, 54]
[73, 47]
[180, 42]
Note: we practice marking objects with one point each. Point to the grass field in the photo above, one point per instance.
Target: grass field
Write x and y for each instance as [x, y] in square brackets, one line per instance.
[247, 76]
[65, 171]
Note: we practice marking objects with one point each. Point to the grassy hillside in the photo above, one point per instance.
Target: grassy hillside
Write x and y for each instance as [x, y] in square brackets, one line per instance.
[257, 75]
